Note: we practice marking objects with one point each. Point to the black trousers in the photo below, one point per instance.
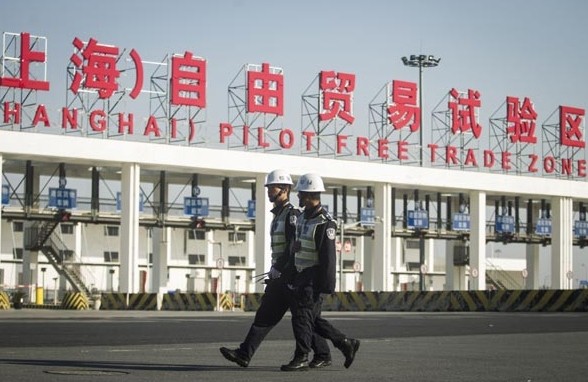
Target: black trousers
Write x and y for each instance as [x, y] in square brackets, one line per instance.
[307, 321]
[274, 304]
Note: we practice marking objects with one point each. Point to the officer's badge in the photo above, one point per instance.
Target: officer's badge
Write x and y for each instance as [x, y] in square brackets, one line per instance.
[331, 233]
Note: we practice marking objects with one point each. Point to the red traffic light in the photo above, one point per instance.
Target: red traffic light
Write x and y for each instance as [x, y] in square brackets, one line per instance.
[197, 222]
[63, 216]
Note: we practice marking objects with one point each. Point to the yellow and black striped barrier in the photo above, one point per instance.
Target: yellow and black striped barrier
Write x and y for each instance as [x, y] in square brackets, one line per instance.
[450, 301]
[75, 300]
[434, 301]
[4, 301]
[128, 301]
[189, 301]
[226, 301]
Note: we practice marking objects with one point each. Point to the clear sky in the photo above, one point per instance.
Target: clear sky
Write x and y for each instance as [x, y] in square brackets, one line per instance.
[536, 49]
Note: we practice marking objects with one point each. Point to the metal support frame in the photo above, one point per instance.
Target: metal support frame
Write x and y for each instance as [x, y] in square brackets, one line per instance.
[380, 128]
[240, 119]
[441, 125]
[325, 133]
[185, 118]
[10, 67]
[552, 147]
[500, 142]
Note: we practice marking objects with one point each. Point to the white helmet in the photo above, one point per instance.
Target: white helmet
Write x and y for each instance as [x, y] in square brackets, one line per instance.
[310, 183]
[278, 177]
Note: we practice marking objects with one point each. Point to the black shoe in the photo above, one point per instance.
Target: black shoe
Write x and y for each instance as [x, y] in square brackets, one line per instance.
[319, 363]
[349, 348]
[297, 364]
[234, 356]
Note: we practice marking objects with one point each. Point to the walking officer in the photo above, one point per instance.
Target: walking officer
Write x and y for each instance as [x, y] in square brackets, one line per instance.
[315, 262]
[275, 301]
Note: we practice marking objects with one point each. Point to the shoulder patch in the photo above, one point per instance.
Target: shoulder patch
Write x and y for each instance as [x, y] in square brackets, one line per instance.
[331, 233]
[293, 219]
[326, 215]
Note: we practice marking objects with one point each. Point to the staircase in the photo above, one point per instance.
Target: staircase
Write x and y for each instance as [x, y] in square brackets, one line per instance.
[497, 284]
[39, 237]
[499, 278]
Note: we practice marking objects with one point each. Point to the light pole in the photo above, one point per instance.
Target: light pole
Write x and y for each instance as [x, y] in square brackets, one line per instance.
[43, 269]
[111, 271]
[421, 61]
[55, 290]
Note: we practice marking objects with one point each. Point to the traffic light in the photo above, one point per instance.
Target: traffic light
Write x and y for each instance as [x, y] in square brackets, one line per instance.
[63, 216]
[197, 222]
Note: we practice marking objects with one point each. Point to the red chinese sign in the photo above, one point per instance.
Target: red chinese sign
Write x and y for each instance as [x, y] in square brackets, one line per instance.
[404, 108]
[96, 70]
[337, 91]
[27, 56]
[463, 112]
[521, 120]
[571, 119]
[265, 91]
[188, 81]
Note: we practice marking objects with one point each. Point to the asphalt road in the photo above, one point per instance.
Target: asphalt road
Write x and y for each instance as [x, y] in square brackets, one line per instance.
[37, 345]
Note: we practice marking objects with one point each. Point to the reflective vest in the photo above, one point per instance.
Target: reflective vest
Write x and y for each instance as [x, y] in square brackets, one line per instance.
[278, 233]
[308, 255]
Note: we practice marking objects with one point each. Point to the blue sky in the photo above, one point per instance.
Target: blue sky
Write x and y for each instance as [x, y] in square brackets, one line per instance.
[535, 49]
[520, 48]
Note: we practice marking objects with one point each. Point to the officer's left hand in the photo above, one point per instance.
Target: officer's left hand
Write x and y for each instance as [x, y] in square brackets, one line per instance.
[274, 273]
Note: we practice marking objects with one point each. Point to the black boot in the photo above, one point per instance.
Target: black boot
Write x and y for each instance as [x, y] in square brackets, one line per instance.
[349, 347]
[299, 363]
[235, 356]
[318, 363]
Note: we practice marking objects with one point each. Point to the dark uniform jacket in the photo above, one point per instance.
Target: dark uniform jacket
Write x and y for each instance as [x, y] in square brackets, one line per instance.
[284, 263]
[323, 276]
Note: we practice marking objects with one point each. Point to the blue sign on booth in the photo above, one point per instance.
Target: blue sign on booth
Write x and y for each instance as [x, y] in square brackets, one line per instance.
[543, 227]
[251, 209]
[119, 203]
[504, 224]
[418, 219]
[5, 194]
[581, 228]
[63, 198]
[195, 206]
[367, 216]
[461, 222]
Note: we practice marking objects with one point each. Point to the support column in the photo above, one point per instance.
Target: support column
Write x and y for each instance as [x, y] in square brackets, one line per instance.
[160, 241]
[379, 277]
[263, 219]
[30, 269]
[250, 245]
[161, 248]
[478, 239]
[396, 262]
[532, 254]
[30, 259]
[129, 243]
[1, 160]
[455, 278]
[561, 242]
[429, 262]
